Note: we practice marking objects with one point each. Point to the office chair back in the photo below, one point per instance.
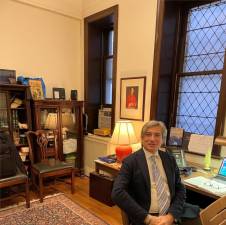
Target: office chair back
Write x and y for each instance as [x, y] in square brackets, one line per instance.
[215, 214]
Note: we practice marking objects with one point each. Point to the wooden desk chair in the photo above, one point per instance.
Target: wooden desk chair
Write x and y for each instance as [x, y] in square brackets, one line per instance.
[215, 214]
[20, 178]
[44, 159]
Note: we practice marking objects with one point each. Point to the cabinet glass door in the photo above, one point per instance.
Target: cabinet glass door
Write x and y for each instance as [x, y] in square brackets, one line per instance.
[14, 118]
[48, 118]
[69, 131]
[18, 117]
[4, 120]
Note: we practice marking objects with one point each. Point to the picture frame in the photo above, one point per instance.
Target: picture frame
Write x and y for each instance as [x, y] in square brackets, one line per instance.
[6, 76]
[58, 93]
[36, 88]
[176, 136]
[132, 99]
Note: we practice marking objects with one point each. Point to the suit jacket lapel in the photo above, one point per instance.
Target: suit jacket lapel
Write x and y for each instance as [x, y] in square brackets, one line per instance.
[144, 168]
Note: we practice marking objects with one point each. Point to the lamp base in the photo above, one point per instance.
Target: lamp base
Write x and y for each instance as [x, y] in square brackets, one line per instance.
[122, 152]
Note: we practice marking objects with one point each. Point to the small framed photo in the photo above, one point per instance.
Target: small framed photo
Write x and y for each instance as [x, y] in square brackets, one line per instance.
[176, 136]
[132, 98]
[58, 93]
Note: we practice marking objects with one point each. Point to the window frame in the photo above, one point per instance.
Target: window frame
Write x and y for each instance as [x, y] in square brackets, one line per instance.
[92, 64]
[179, 48]
[104, 58]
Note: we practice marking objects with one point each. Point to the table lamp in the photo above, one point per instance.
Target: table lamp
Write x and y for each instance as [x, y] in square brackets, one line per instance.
[123, 136]
[51, 121]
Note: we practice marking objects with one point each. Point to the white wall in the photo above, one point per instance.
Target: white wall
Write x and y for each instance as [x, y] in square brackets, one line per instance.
[136, 35]
[71, 8]
[42, 43]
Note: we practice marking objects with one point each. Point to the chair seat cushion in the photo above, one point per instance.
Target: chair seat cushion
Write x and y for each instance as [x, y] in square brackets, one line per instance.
[46, 167]
[19, 175]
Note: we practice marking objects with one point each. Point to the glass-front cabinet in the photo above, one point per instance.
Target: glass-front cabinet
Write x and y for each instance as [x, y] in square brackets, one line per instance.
[15, 115]
[66, 117]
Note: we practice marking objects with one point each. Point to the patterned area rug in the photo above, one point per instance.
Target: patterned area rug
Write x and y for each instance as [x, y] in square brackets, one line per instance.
[56, 210]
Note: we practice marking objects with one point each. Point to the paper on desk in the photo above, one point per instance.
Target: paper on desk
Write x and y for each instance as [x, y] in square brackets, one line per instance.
[200, 143]
[208, 185]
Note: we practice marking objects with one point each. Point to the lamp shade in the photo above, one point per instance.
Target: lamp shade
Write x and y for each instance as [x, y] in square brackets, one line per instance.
[51, 121]
[67, 120]
[123, 136]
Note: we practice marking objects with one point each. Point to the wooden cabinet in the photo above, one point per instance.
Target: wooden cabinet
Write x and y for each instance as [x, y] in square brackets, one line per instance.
[15, 114]
[66, 117]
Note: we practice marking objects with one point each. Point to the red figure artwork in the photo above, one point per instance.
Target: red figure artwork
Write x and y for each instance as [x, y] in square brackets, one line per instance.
[131, 97]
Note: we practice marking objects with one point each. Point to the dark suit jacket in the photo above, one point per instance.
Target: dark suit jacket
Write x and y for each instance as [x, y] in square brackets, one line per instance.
[131, 190]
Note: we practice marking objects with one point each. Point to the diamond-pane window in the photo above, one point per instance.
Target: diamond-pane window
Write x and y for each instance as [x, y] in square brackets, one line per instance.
[206, 38]
[200, 81]
[198, 102]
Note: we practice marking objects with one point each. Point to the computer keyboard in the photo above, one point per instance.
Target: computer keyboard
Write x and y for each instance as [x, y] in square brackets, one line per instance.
[208, 184]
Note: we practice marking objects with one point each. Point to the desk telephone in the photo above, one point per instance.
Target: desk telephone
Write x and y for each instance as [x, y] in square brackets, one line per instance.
[181, 162]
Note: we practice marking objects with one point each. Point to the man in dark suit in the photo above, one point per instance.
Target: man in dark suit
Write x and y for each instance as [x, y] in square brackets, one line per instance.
[148, 188]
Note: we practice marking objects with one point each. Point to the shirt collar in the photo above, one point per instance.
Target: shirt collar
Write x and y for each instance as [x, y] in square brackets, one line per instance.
[149, 154]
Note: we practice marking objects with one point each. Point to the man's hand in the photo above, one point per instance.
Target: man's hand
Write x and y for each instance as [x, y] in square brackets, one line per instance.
[162, 220]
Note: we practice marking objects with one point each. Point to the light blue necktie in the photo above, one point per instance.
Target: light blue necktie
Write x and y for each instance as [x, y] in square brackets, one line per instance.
[161, 188]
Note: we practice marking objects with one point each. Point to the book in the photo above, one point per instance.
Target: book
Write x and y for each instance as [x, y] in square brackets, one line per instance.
[176, 136]
[108, 159]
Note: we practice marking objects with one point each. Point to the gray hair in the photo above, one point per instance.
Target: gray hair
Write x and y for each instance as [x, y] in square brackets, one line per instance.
[155, 123]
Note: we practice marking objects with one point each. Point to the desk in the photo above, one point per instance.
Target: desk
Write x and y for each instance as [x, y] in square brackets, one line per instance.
[114, 168]
[197, 189]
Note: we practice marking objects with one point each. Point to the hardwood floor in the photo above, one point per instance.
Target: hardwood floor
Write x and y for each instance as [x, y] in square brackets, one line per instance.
[111, 215]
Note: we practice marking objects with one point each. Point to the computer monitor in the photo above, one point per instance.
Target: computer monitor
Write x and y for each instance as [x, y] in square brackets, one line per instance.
[222, 169]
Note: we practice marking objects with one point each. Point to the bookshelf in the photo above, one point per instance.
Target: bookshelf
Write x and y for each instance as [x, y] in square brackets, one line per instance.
[15, 115]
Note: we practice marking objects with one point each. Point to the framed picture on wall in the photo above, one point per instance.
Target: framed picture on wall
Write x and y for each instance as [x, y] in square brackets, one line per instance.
[132, 94]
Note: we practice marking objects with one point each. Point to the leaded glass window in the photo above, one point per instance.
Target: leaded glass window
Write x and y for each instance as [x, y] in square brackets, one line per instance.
[200, 80]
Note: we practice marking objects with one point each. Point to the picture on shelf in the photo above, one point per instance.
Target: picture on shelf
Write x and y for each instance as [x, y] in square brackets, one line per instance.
[58, 93]
[176, 136]
[36, 88]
